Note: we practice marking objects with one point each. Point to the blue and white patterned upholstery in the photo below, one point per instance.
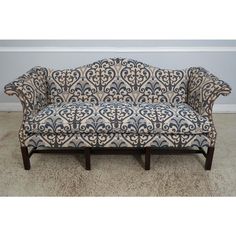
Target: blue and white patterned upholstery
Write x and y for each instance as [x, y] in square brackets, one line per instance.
[117, 80]
[117, 102]
[118, 117]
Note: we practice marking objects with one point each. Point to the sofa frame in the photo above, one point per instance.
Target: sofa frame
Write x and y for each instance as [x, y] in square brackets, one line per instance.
[104, 151]
[195, 87]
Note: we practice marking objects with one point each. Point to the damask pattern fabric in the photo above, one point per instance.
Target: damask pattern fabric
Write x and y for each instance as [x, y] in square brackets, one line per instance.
[203, 89]
[31, 90]
[118, 117]
[117, 80]
[117, 102]
[116, 140]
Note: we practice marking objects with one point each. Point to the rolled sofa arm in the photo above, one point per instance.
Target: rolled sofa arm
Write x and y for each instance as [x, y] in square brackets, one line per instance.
[203, 89]
[31, 89]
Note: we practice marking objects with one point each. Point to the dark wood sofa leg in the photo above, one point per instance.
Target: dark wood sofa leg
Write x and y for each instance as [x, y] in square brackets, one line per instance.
[26, 158]
[209, 158]
[147, 158]
[87, 158]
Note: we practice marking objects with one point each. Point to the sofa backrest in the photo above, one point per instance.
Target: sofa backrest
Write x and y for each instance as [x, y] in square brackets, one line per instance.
[117, 79]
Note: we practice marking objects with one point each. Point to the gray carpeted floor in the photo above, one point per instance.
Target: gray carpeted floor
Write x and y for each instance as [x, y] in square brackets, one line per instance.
[118, 175]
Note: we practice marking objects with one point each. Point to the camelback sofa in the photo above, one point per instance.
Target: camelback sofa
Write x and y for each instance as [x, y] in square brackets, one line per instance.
[117, 103]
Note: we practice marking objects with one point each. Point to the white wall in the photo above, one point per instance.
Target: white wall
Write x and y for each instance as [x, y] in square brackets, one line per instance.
[219, 57]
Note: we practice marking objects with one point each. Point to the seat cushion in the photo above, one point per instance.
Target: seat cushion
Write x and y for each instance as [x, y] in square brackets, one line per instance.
[118, 117]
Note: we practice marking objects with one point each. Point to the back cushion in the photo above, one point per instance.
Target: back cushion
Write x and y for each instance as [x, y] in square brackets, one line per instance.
[117, 80]
[70, 85]
[165, 86]
[153, 85]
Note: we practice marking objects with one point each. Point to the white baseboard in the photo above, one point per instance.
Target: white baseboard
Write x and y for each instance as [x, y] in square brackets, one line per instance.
[10, 106]
[218, 108]
[224, 108]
